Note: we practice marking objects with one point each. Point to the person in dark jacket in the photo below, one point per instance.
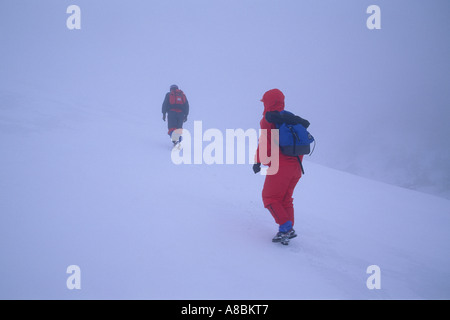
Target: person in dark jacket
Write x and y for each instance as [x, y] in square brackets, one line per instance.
[176, 107]
[279, 187]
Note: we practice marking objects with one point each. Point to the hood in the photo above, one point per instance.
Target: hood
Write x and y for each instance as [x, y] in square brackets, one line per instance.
[273, 100]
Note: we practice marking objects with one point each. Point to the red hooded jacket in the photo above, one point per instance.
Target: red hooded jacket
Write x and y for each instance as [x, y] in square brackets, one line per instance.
[273, 101]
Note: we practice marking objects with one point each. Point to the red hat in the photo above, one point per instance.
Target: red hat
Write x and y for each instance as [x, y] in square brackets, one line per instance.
[273, 100]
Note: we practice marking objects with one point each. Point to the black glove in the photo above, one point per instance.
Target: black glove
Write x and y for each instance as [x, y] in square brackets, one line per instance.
[164, 117]
[185, 119]
[257, 167]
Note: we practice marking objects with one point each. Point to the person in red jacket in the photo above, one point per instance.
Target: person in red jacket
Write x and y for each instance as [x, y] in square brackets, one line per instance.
[279, 184]
[176, 106]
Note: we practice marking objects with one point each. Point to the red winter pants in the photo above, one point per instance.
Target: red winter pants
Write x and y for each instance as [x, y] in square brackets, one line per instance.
[278, 190]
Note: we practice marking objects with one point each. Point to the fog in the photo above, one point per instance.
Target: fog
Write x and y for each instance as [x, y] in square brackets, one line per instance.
[378, 100]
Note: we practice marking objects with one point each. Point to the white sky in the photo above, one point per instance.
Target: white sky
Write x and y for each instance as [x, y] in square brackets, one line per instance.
[378, 100]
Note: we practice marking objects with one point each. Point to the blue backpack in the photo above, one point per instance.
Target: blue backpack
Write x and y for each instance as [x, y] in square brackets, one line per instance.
[295, 140]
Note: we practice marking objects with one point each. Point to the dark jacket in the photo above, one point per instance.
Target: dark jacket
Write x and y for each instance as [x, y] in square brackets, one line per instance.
[278, 118]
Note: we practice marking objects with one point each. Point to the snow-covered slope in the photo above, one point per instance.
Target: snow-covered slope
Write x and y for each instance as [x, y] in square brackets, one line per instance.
[86, 176]
[94, 186]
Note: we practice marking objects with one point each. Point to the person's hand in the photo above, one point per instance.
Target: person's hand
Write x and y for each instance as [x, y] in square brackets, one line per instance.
[257, 167]
[164, 117]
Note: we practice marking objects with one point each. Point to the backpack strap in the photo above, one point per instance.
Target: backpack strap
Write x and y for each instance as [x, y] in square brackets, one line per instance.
[301, 165]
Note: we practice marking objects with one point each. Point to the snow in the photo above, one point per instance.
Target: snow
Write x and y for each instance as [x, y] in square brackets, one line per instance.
[101, 192]
[86, 176]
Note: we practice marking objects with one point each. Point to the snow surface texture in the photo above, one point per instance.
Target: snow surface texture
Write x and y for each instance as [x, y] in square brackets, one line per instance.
[85, 171]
